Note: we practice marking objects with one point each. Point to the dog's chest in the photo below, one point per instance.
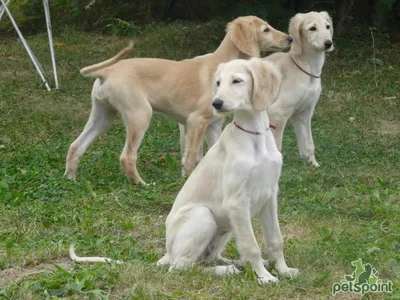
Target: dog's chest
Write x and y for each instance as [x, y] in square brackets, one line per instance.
[263, 180]
[309, 95]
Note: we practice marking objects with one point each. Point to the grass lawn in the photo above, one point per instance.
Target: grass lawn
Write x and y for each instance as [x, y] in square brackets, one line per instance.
[345, 210]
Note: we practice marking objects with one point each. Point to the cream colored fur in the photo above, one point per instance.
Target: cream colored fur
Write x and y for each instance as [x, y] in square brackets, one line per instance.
[136, 88]
[300, 92]
[235, 181]
[92, 259]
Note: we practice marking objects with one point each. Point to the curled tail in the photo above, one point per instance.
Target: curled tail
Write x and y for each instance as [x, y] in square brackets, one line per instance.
[92, 259]
[88, 71]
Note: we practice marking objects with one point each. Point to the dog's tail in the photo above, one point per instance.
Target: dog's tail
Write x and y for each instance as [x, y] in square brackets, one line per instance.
[91, 259]
[89, 70]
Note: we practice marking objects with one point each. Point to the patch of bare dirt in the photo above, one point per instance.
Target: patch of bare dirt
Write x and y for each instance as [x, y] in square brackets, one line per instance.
[12, 275]
[389, 127]
[296, 231]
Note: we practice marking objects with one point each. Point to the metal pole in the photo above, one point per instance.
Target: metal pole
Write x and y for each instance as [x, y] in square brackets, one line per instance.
[28, 49]
[2, 9]
[51, 44]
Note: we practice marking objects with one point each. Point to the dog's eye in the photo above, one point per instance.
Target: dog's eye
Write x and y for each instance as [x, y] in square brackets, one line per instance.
[328, 27]
[236, 81]
[313, 28]
[218, 83]
[266, 29]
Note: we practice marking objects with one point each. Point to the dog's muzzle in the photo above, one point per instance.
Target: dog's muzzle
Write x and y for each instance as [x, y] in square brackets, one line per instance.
[328, 44]
[217, 103]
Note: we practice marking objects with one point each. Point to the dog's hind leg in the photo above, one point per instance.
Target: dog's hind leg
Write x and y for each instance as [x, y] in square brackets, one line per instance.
[136, 122]
[190, 234]
[225, 270]
[99, 121]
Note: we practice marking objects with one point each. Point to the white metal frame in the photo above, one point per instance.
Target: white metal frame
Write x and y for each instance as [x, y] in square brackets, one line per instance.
[32, 56]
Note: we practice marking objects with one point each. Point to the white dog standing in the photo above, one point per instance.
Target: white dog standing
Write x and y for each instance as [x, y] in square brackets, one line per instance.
[235, 181]
[301, 69]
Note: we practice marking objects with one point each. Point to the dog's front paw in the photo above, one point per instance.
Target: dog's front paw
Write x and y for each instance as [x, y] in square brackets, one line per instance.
[311, 160]
[137, 181]
[288, 272]
[70, 175]
[267, 279]
[314, 163]
[144, 184]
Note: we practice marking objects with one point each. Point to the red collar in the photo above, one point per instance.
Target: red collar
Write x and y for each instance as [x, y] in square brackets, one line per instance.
[253, 132]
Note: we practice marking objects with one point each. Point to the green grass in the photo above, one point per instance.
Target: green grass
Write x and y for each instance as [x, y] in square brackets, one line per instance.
[345, 210]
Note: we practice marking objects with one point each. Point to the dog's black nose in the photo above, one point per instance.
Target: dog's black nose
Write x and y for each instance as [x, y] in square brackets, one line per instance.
[328, 44]
[290, 39]
[217, 103]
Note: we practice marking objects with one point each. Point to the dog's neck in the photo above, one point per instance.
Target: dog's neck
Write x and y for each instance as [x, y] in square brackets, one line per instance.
[228, 51]
[252, 121]
[310, 60]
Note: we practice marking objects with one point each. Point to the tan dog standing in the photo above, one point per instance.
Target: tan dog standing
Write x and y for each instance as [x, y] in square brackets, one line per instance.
[180, 89]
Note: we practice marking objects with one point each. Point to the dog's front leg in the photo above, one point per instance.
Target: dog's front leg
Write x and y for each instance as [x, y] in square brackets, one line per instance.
[213, 132]
[302, 126]
[240, 220]
[278, 120]
[182, 135]
[182, 139]
[196, 126]
[273, 237]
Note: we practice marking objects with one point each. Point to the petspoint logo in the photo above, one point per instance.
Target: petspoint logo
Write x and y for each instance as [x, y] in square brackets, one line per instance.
[364, 279]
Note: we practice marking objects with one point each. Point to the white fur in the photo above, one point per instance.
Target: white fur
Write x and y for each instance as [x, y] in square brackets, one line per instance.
[92, 259]
[300, 92]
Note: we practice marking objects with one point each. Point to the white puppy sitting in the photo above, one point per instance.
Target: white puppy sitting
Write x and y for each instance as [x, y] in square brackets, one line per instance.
[236, 180]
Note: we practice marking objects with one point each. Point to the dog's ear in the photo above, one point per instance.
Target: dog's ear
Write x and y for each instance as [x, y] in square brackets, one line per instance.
[243, 34]
[295, 32]
[266, 83]
[328, 18]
